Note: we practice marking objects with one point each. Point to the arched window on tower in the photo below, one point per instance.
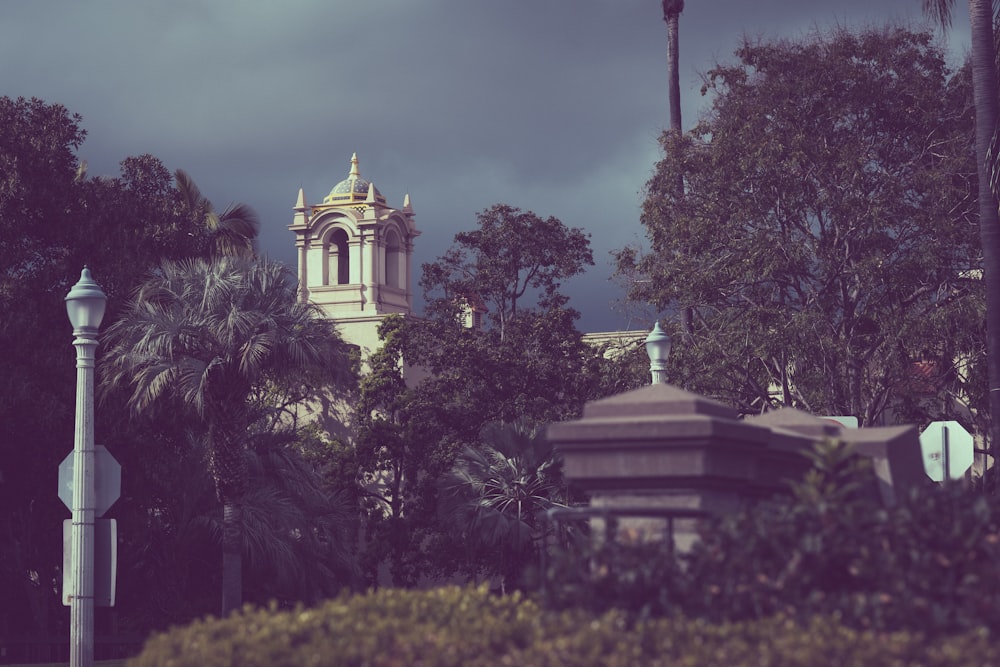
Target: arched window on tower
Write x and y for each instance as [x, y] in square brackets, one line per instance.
[393, 257]
[338, 268]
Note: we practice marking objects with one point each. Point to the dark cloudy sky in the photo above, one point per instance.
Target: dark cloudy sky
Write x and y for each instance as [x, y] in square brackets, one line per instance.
[548, 105]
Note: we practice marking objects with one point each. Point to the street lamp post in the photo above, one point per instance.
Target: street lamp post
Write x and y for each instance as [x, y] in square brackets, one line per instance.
[85, 307]
[658, 349]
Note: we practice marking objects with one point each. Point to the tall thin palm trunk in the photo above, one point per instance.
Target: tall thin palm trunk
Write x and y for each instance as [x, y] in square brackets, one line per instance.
[230, 471]
[984, 87]
[671, 15]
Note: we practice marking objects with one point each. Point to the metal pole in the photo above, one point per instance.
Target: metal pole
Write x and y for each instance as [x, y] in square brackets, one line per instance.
[81, 604]
[85, 306]
[944, 453]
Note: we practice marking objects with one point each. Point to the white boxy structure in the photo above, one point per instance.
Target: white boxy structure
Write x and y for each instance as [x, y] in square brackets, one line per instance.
[355, 257]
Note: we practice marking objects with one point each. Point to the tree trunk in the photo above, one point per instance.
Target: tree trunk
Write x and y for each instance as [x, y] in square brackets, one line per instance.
[672, 19]
[984, 85]
[673, 72]
[232, 556]
[230, 470]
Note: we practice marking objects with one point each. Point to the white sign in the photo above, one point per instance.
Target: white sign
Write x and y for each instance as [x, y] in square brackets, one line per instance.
[107, 480]
[941, 440]
[105, 562]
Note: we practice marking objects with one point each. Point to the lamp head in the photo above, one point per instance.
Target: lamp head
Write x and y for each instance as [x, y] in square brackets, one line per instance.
[658, 346]
[85, 304]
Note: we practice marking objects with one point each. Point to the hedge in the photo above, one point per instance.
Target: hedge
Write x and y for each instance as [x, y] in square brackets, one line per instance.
[928, 565]
[451, 627]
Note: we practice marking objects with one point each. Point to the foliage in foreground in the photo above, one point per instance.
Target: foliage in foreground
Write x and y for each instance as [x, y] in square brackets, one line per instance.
[469, 627]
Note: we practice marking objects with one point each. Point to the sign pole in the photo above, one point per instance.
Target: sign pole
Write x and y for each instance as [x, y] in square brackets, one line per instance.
[944, 453]
[947, 448]
[85, 307]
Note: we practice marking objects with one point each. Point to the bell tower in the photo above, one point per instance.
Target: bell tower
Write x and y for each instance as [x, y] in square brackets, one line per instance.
[355, 256]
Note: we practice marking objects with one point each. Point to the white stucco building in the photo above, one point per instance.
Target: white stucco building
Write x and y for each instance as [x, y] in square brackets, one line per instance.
[355, 255]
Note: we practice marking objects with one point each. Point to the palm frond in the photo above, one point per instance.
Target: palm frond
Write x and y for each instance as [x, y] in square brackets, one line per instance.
[151, 382]
[199, 328]
[234, 233]
[190, 194]
[495, 493]
[672, 7]
[240, 219]
[940, 11]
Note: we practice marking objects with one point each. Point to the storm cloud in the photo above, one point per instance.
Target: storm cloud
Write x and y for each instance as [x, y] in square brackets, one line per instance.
[548, 105]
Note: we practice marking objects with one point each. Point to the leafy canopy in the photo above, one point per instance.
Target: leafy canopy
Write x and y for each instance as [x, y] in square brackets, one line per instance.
[510, 254]
[825, 237]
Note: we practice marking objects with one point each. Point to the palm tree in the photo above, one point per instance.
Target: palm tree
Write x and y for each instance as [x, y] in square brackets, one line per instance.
[211, 333]
[495, 494]
[233, 233]
[985, 97]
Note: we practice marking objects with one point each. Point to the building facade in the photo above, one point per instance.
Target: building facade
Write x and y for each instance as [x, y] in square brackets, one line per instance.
[355, 255]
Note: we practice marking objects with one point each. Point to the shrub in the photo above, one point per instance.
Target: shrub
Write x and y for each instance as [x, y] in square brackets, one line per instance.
[930, 565]
[469, 627]
[398, 627]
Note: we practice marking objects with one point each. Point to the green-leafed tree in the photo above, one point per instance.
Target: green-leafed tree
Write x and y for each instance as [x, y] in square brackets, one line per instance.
[207, 335]
[299, 536]
[826, 237]
[986, 91]
[621, 367]
[511, 256]
[37, 183]
[527, 360]
[398, 453]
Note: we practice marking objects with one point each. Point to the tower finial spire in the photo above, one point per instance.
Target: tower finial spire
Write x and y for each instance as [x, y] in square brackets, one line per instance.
[354, 167]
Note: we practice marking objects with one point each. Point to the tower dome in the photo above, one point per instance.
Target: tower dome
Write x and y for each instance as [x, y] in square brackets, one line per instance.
[354, 188]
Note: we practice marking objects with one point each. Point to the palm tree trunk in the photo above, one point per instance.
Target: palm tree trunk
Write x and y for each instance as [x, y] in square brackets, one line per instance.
[232, 556]
[231, 473]
[672, 15]
[984, 86]
[673, 71]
